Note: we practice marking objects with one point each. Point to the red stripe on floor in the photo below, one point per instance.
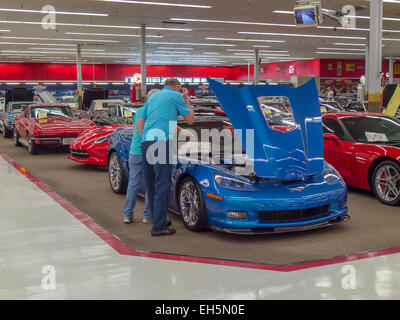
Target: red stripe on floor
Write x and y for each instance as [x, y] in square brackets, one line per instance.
[122, 248]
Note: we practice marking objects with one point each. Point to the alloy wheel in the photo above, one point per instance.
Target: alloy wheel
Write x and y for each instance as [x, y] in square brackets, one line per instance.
[190, 203]
[387, 182]
[115, 172]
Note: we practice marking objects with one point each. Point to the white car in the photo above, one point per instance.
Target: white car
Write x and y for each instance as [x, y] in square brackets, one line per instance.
[70, 100]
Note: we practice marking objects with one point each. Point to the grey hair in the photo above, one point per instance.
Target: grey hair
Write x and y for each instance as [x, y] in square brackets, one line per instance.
[151, 92]
[172, 82]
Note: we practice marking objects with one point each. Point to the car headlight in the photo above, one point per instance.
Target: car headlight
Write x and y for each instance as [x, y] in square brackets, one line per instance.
[331, 176]
[233, 183]
[102, 139]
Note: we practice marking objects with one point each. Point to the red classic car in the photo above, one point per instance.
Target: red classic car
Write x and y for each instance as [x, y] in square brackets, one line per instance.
[47, 124]
[91, 146]
[365, 149]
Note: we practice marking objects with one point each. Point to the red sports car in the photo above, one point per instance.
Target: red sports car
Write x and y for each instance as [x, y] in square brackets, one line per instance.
[47, 124]
[365, 149]
[91, 146]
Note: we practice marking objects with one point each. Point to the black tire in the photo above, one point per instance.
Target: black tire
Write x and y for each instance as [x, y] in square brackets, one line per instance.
[16, 137]
[33, 148]
[116, 175]
[6, 132]
[386, 190]
[190, 197]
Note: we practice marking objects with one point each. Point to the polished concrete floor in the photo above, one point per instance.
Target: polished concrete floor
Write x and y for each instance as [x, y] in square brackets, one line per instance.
[50, 250]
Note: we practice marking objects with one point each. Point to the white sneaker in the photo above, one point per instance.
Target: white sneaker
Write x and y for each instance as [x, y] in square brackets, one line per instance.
[145, 220]
[128, 220]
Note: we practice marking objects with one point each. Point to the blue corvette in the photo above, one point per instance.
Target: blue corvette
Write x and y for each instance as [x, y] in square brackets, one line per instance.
[259, 177]
[12, 110]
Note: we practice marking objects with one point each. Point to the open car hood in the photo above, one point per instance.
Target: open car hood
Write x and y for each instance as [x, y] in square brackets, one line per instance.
[275, 154]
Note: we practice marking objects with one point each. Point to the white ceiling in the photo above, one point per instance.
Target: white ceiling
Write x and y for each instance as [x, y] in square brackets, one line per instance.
[193, 47]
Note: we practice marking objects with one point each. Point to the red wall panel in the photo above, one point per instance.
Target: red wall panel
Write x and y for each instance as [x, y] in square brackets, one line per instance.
[110, 72]
[280, 70]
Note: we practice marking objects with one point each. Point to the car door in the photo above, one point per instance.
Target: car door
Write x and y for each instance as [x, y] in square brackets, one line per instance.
[338, 153]
[22, 123]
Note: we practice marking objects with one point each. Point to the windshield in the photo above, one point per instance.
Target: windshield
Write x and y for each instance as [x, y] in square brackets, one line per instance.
[51, 112]
[18, 107]
[68, 100]
[373, 129]
[330, 107]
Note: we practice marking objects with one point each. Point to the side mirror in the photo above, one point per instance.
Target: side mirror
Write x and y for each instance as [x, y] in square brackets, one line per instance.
[332, 137]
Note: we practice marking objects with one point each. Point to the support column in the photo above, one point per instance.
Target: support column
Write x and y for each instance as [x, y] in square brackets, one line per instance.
[78, 68]
[375, 56]
[256, 66]
[366, 70]
[143, 61]
[391, 60]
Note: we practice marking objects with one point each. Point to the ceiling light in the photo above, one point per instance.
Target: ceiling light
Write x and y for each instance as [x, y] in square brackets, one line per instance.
[57, 39]
[244, 50]
[235, 22]
[346, 49]
[340, 53]
[111, 35]
[349, 44]
[93, 25]
[172, 52]
[299, 35]
[38, 44]
[172, 48]
[160, 3]
[56, 12]
[60, 49]
[235, 39]
[194, 44]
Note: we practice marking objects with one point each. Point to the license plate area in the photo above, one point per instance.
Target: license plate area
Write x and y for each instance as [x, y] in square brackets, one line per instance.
[67, 141]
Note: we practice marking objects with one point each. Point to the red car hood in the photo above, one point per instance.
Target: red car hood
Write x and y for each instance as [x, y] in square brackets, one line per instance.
[61, 126]
[86, 138]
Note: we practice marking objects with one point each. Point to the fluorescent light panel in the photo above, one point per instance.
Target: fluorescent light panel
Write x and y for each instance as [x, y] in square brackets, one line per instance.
[56, 12]
[111, 34]
[56, 39]
[299, 35]
[93, 25]
[251, 40]
[193, 44]
[340, 53]
[234, 22]
[160, 4]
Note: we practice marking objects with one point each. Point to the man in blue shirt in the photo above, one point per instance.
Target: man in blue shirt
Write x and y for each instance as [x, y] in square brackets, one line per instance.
[157, 125]
[135, 176]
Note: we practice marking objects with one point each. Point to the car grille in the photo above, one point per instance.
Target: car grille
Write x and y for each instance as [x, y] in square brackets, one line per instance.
[293, 215]
[82, 154]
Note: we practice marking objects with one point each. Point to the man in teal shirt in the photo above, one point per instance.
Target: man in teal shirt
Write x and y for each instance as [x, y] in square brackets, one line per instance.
[135, 176]
[157, 124]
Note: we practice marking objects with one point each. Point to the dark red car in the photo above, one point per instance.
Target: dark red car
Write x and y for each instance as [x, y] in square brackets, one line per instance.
[365, 149]
[47, 124]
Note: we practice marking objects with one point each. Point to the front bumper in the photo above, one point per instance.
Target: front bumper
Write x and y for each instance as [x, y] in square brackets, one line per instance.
[66, 141]
[88, 156]
[271, 230]
[277, 207]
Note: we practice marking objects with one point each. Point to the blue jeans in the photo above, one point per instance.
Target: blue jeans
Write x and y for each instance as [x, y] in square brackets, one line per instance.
[157, 177]
[135, 178]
